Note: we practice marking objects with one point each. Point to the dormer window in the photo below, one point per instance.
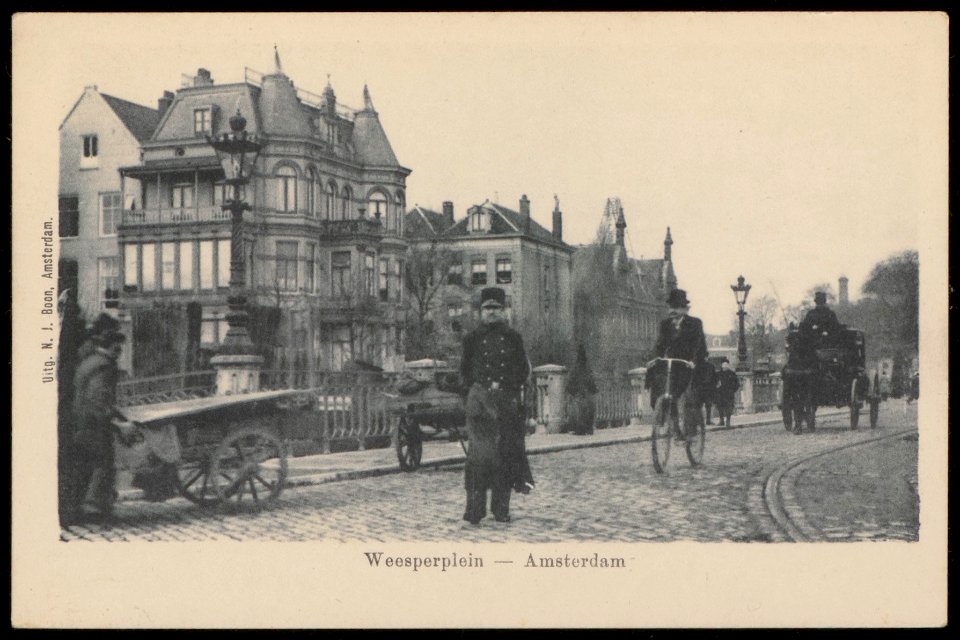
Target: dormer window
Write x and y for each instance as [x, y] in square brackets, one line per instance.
[479, 221]
[202, 121]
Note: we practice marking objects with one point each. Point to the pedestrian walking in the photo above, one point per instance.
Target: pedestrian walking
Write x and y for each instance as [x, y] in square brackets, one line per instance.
[727, 385]
[95, 421]
[709, 389]
[494, 367]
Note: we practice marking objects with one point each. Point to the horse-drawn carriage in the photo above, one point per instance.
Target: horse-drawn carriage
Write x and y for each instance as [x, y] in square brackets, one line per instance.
[821, 374]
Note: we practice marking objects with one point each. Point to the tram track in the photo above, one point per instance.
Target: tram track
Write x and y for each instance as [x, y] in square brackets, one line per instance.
[772, 489]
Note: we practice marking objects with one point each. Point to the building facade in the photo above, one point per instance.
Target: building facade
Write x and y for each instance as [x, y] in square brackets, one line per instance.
[323, 240]
[497, 246]
[99, 135]
[619, 301]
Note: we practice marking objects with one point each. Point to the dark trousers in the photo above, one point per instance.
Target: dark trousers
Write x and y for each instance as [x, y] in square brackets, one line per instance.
[494, 454]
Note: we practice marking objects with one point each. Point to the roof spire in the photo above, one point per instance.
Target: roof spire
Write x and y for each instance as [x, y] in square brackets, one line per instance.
[367, 102]
[278, 68]
[667, 243]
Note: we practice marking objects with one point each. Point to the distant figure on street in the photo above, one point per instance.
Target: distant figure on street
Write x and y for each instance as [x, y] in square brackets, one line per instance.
[709, 390]
[727, 385]
[681, 336]
[95, 420]
[494, 368]
[820, 326]
[581, 391]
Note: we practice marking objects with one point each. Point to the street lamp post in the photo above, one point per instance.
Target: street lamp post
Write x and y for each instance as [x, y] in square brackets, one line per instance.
[741, 290]
[237, 364]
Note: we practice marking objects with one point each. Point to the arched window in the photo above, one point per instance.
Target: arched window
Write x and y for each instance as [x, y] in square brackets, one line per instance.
[401, 210]
[286, 190]
[313, 192]
[377, 208]
[331, 208]
[346, 203]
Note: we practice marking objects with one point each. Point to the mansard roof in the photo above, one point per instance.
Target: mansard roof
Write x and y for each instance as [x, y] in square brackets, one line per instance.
[226, 99]
[370, 140]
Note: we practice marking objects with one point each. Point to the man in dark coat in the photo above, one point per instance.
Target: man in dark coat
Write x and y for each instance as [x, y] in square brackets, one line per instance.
[681, 336]
[820, 327]
[494, 368]
[95, 420]
[727, 385]
[709, 389]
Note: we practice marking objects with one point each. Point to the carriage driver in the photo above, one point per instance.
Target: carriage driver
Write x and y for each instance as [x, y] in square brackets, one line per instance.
[681, 336]
[820, 326]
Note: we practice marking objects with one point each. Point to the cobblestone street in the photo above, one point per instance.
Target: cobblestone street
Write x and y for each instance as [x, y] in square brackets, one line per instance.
[609, 493]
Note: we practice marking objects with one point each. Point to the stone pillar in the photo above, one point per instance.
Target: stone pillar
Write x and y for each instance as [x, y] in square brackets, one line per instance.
[776, 381]
[551, 384]
[237, 374]
[638, 380]
[745, 393]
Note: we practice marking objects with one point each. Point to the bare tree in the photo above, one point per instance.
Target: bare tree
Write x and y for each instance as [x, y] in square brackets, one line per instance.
[425, 277]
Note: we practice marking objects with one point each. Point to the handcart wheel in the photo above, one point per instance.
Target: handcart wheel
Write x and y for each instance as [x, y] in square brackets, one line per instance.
[250, 462]
[195, 484]
[409, 445]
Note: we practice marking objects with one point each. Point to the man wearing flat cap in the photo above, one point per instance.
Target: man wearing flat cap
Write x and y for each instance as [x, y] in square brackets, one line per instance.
[681, 336]
[96, 419]
[493, 368]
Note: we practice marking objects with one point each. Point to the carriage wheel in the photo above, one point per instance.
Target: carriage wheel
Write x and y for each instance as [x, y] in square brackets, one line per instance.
[249, 462]
[854, 405]
[664, 423]
[696, 438]
[195, 483]
[874, 412]
[409, 445]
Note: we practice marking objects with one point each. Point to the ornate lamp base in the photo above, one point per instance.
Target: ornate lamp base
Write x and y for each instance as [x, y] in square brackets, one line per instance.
[237, 373]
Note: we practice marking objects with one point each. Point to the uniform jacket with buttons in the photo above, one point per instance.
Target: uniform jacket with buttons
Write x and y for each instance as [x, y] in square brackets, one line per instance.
[494, 353]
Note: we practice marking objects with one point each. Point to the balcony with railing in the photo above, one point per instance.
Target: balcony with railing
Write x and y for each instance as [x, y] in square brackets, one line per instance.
[144, 217]
[332, 229]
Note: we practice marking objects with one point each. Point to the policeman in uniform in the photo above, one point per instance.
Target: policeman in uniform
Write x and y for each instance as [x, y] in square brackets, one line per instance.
[494, 368]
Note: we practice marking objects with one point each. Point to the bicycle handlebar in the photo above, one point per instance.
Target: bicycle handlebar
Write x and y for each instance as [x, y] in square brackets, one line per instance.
[681, 360]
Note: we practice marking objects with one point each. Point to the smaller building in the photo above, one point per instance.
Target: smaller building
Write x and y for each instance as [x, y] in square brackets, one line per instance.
[493, 245]
[100, 134]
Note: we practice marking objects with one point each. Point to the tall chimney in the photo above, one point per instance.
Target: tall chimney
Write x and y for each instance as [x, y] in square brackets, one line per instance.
[557, 219]
[844, 294]
[448, 213]
[164, 102]
[525, 213]
[203, 78]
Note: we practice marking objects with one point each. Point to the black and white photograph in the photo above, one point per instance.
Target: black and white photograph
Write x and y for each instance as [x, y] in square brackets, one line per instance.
[329, 320]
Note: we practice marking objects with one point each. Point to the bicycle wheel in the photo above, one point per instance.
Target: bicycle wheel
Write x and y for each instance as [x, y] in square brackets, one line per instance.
[696, 437]
[662, 434]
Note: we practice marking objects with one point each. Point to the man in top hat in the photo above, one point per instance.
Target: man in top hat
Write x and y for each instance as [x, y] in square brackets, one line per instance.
[821, 325]
[96, 419]
[493, 368]
[681, 336]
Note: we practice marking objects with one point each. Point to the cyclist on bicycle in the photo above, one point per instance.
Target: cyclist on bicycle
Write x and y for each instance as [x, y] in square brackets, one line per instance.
[681, 336]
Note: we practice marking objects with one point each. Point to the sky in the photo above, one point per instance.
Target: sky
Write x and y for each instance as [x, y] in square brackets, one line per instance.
[789, 148]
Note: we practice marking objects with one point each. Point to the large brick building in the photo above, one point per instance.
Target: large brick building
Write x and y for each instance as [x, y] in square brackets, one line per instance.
[619, 301]
[323, 240]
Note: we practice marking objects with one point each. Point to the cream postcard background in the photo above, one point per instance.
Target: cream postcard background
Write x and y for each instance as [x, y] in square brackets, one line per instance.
[321, 584]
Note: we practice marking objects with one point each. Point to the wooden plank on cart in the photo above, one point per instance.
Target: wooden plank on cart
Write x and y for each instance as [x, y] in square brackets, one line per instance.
[154, 413]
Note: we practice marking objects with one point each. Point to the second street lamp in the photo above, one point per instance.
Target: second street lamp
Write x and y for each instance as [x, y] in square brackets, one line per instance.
[741, 290]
